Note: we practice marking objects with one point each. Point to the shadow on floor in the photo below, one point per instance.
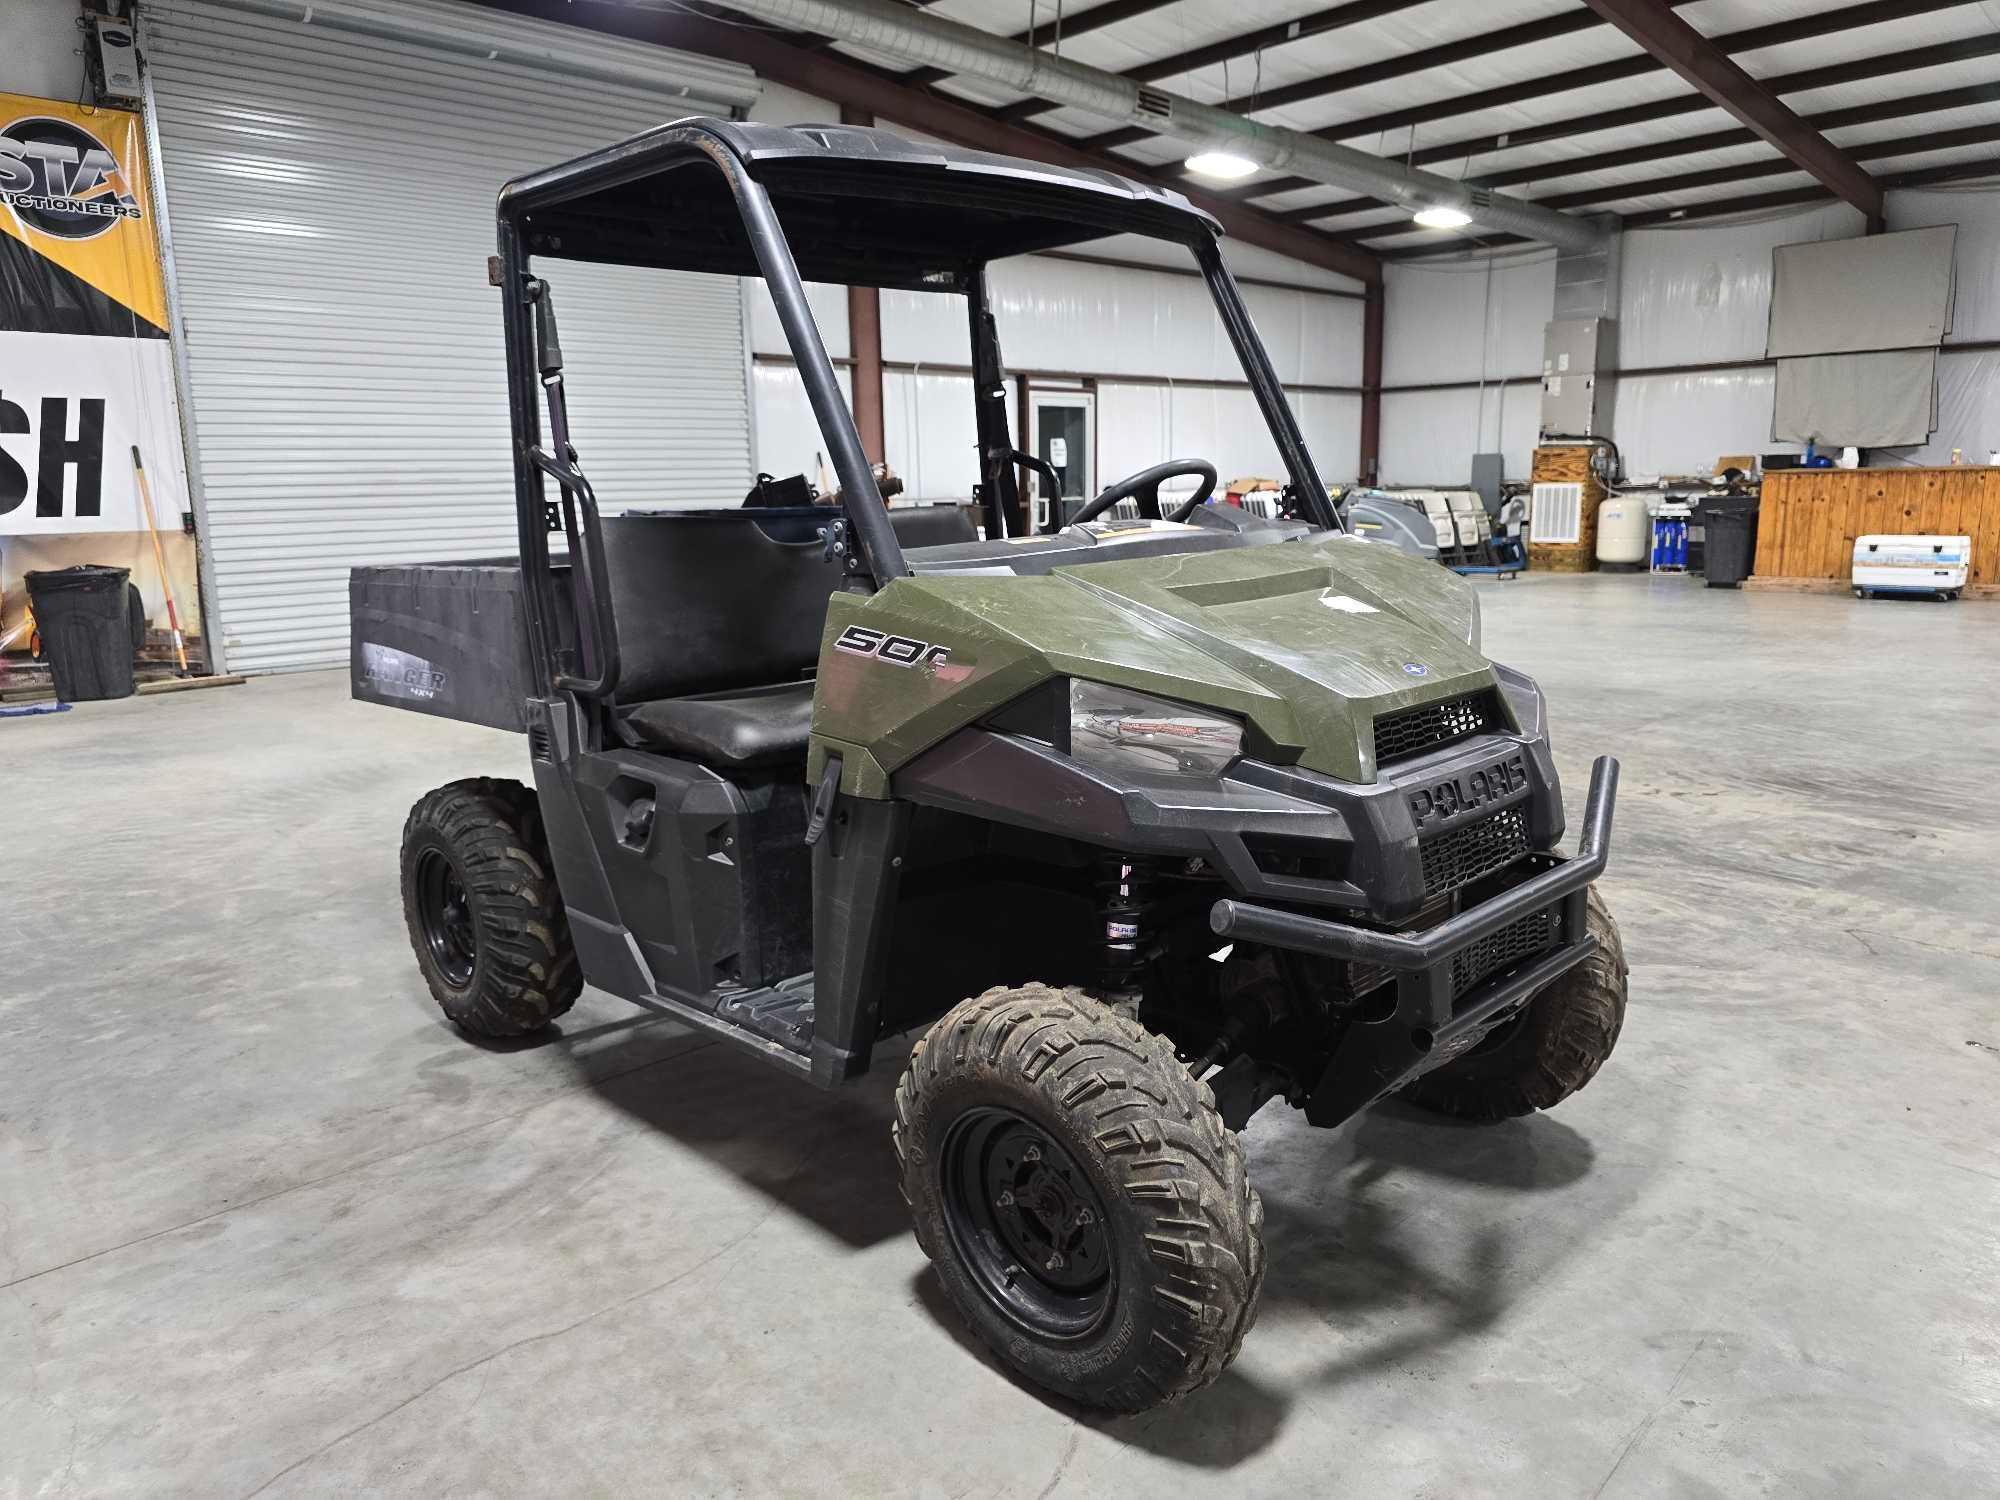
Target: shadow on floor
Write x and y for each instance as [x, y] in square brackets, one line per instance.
[823, 1155]
[1339, 1266]
[1338, 1256]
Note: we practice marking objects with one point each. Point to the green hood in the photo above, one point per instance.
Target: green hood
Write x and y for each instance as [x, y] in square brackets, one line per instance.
[1307, 642]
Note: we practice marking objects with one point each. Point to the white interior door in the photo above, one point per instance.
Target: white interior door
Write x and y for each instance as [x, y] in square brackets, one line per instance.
[1062, 432]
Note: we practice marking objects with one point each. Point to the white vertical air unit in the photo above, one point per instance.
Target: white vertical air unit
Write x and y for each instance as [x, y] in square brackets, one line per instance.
[1556, 514]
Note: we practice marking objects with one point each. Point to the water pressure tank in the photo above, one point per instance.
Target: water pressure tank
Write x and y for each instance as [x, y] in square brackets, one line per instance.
[1624, 534]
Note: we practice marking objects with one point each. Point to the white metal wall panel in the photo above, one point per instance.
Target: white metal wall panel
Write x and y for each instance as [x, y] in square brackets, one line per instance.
[331, 197]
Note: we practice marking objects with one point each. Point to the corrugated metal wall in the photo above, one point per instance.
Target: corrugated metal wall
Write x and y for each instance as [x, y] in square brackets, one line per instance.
[331, 197]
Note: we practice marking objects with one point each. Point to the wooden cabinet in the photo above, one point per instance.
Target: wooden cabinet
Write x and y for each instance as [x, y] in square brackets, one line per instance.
[1810, 517]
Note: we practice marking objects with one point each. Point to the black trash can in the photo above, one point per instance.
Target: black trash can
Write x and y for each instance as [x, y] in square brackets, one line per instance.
[1730, 541]
[85, 616]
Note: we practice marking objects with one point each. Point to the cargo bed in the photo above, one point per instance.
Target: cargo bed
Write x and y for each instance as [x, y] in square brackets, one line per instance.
[444, 638]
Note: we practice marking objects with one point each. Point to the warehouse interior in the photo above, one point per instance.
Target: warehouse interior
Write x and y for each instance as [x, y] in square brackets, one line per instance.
[1647, 350]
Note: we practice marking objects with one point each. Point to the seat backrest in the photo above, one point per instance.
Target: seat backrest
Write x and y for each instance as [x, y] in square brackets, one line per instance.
[709, 600]
[933, 525]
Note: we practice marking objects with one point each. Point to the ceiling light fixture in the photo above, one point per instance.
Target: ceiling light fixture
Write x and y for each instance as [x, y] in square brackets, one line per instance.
[1221, 164]
[1443, 216]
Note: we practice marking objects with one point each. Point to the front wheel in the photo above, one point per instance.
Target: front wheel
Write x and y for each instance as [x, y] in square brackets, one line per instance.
[1086, 1210]
[1548, 1049]
[483, 911]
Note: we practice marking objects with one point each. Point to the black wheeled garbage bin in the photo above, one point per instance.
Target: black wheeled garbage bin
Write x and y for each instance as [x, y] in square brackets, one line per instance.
[1730, 528]
[85, 616]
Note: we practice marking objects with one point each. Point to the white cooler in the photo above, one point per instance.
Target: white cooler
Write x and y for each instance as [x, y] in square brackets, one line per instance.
[1911, 565]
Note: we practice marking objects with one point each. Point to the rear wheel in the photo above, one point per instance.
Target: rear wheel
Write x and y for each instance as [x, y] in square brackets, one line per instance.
[1546, 1051]
[1086, 1210]
[483, 911]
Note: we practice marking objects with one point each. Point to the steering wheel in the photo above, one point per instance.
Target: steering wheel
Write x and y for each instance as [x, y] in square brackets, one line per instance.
[1144, 486]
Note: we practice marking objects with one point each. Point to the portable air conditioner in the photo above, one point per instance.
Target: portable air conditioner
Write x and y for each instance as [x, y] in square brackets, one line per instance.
[1911, 565]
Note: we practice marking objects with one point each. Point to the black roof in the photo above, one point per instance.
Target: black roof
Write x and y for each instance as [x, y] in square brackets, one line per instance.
[857, 204]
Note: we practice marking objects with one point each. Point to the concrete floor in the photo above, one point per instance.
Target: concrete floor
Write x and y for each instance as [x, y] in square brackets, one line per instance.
[267, 1225]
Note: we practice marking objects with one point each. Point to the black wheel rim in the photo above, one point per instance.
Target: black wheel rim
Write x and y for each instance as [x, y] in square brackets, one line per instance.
[1027, 1222]
[446, 913]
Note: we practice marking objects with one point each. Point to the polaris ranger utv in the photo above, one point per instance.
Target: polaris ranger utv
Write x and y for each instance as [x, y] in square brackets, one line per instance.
[1146, 821]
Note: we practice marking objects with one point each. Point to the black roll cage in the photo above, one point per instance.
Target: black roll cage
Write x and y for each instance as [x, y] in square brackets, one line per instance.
[552, 210]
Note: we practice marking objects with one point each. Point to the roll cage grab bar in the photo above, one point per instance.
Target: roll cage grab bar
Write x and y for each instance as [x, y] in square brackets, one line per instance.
[534, 349]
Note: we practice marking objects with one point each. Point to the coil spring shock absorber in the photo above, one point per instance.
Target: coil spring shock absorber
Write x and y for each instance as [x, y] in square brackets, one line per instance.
[1123, 890]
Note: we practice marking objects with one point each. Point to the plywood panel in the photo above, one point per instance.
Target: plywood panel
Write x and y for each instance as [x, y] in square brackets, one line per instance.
[1568, 464]
[1810, 517]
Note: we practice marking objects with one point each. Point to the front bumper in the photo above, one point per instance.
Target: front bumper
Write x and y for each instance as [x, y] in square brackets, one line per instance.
[1434, 1018]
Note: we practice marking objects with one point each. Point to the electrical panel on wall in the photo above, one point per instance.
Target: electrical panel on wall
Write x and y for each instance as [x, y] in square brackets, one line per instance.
[1577, 361]
[115, 53]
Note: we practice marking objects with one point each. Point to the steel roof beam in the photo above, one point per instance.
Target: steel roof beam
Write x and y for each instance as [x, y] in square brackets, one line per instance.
[1052, 31]
[1228, 50]
[850, 83]
[1812, 193]
[1823, 23]
[1699, 62]
[1526, 34]
[1909, 145]
[1832, 119]
[887, 27]
[1959, 171]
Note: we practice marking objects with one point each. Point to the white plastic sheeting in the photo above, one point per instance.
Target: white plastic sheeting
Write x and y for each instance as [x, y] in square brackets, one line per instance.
[1976, 313]
[1693, 296]
[1429, 437]
[1682, 423]
[1141, 425]
[1081, 318]
[1454, 321]
[1968, 399]
[787, 433]
[1478, 321]
[1702, 295]
[929, 435]
[829, 309]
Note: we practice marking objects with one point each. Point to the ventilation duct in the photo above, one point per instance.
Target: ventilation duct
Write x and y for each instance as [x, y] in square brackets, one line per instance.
[920, 38]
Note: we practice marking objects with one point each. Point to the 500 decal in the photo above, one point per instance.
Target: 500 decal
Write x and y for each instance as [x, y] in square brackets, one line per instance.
[897, 650]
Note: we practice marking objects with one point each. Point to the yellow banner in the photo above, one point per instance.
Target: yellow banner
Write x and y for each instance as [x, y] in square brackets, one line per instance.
[74, 199]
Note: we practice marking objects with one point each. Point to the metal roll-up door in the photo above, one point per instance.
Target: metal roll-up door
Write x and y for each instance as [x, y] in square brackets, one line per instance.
[330, 188]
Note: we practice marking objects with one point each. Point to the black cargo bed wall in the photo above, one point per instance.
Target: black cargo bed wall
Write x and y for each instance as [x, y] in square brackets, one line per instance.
[445, 638]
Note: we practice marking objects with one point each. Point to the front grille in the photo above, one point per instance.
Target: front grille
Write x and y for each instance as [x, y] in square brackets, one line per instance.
[1505, 948]
[1466, 853]
[1415, 730]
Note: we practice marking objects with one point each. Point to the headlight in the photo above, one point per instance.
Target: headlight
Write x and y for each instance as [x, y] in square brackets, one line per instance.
[1120, 730]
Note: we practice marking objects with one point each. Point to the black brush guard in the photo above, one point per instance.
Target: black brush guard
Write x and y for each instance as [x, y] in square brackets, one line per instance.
[1432, 1023]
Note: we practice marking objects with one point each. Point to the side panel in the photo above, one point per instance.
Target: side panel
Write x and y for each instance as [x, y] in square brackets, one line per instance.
[441, 638]
[856, 875]
[676, 880]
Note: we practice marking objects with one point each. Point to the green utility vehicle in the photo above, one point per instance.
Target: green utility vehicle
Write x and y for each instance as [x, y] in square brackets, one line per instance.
[1142, 823]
